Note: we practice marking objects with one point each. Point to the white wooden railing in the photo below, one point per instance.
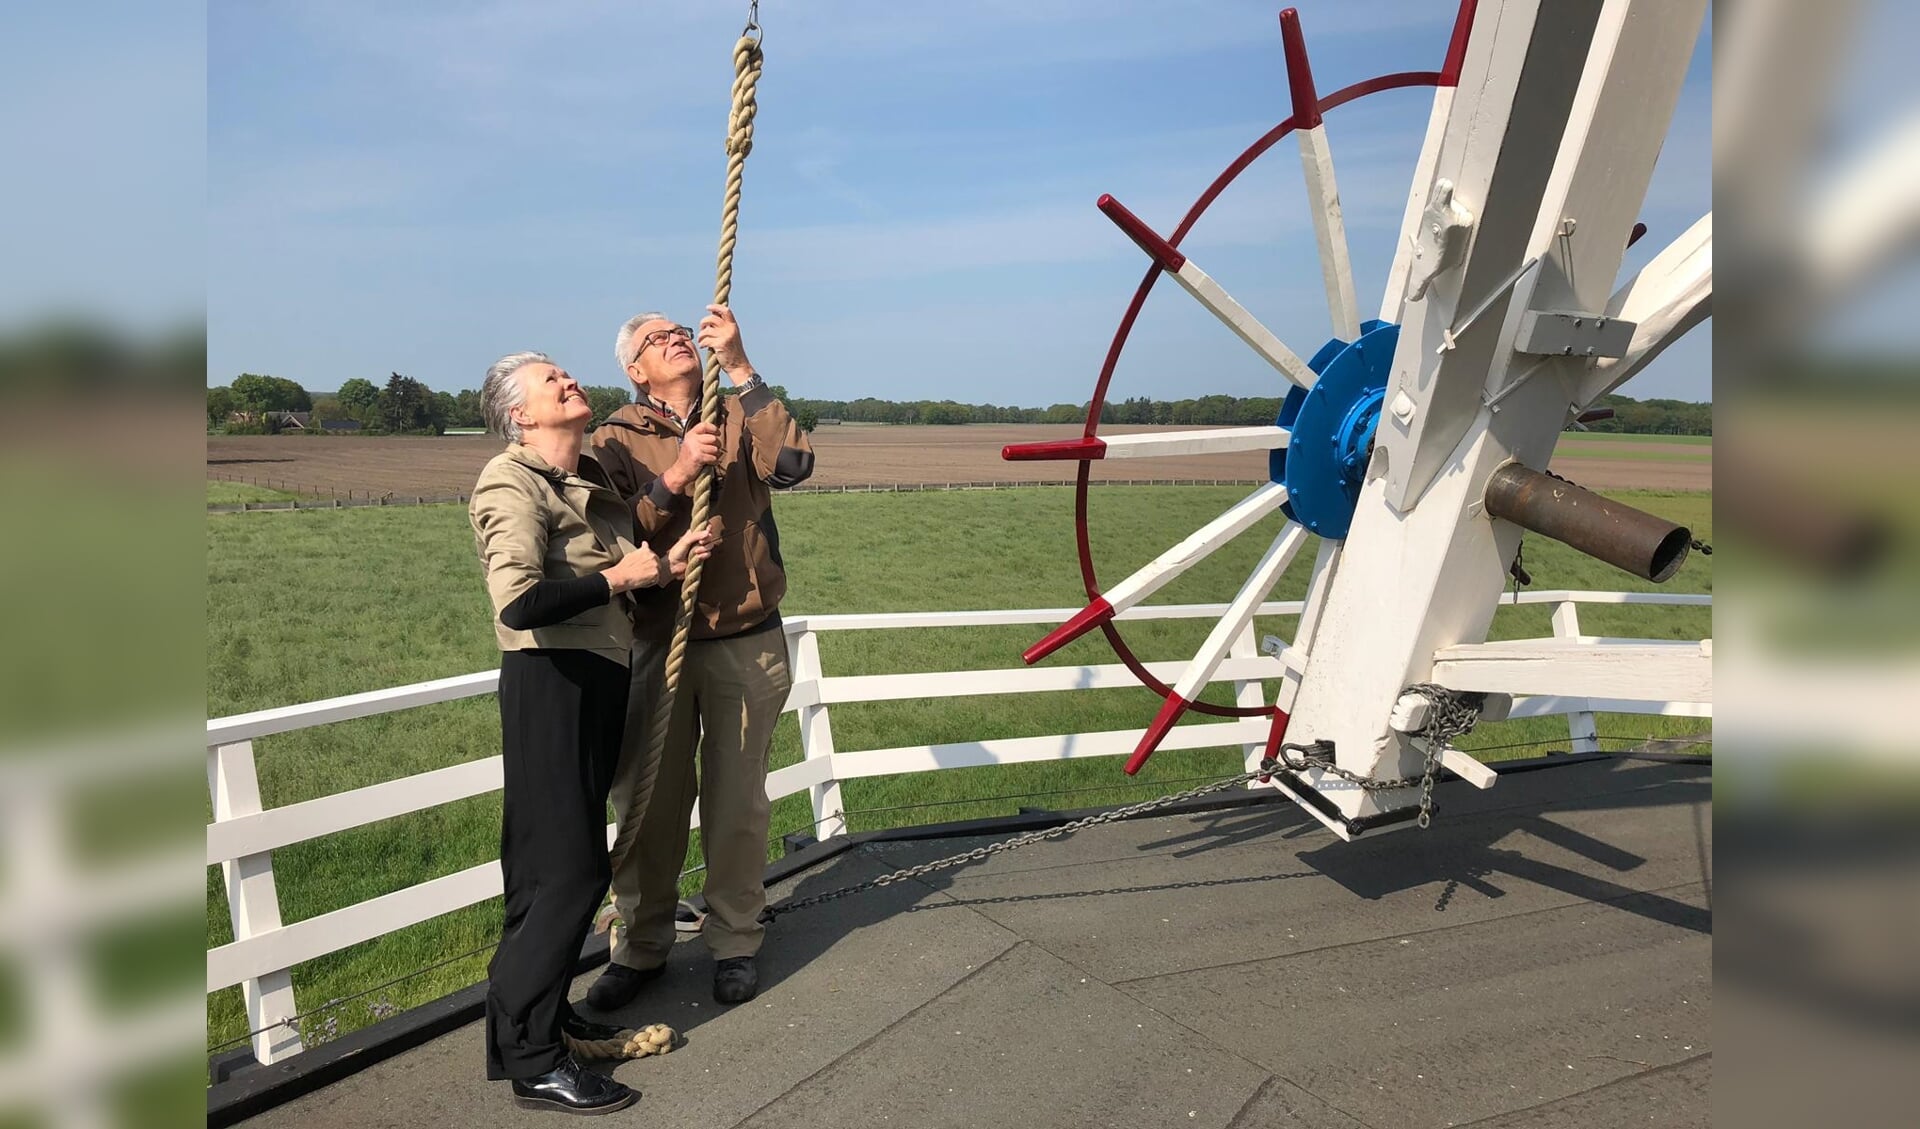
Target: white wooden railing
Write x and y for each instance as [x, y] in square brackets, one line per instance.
[243, 835]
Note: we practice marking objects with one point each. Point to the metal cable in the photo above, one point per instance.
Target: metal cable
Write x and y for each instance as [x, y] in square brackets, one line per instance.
[289, 1021]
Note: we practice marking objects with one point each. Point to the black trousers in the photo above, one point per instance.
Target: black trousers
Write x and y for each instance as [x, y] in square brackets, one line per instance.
[561, 715]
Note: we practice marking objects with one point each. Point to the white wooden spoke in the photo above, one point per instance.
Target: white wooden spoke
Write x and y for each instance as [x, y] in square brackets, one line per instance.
[1240, 612]
[1157, 573]
[1326, 560]
[1330, 232]
[1668, 297]
[1423, 173]
[1197, 283]
[1215, 441]
[1244, 325]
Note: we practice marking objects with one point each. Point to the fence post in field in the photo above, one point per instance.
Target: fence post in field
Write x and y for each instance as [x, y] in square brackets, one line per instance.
[1246, 645]
[1581, 729]
[253, 902]
[816, 739]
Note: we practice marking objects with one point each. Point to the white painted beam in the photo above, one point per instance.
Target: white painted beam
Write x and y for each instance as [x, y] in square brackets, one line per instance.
[1517, 87]
[1647, 670]
[1665, 299]
[1396, 293]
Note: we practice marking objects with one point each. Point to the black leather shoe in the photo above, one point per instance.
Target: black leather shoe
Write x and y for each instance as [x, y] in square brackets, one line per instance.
[735, 981]
[572, 1088]
[587, 1031]
[618, 985]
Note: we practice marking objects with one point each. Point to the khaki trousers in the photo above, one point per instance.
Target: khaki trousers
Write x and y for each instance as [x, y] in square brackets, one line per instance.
[730, 695]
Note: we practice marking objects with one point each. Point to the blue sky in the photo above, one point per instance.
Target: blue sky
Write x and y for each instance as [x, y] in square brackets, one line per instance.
[421, 187]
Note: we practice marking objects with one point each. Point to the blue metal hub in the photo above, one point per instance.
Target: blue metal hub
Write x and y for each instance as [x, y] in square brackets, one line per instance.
[1332, 429]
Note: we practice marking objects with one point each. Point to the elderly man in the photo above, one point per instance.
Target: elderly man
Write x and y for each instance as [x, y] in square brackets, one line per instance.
[735, 678]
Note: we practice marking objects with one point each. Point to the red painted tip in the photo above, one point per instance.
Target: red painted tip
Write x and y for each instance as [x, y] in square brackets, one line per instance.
[1170, 711]
[1163, 253]
[1276, 735]
[1306, 103]
[1055, 449]
[1639, 231]
[1457, 48]
[1083, 621]
[1594, 416]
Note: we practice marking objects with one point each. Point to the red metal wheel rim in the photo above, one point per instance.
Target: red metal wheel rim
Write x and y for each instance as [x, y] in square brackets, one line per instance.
[1447, 77]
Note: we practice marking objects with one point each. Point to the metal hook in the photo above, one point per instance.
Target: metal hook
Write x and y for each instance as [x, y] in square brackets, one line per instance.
[753, 18]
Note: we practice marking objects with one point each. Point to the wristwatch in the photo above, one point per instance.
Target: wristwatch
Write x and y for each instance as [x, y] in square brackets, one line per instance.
[751, 383]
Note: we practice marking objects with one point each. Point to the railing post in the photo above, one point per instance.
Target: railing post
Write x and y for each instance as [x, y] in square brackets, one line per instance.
[1248, 693]
[1581, 730]
[253, 902]
[64, 1017]
[816, 740]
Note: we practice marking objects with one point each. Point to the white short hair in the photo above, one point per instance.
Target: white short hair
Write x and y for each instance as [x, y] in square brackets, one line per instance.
[625, 352]
[501, 392]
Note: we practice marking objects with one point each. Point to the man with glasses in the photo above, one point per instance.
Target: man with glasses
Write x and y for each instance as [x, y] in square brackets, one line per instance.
[734, 680]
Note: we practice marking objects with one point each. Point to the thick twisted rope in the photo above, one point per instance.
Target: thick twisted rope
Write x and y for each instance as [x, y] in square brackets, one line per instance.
[654, 1039]
[746, 77]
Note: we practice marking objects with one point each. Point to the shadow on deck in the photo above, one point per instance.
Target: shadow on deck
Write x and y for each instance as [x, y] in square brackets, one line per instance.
[1541, 957]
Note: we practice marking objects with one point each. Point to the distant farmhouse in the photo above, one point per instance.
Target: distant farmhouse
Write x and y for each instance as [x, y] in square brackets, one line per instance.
[295, 421]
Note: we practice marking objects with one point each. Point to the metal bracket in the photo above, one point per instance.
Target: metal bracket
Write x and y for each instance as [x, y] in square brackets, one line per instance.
[1558, 333]
[1287, 653]
[1440, 242]
[1450, 338]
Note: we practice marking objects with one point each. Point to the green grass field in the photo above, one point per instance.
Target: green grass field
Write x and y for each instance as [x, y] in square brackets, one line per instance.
[319, 603]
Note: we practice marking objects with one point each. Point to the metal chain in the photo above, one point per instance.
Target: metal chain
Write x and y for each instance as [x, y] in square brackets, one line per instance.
[1449, 715]
[980, 853]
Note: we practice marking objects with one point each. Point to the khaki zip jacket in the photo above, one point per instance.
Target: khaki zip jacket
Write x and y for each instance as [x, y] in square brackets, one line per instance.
[532, 521]
[761, 450]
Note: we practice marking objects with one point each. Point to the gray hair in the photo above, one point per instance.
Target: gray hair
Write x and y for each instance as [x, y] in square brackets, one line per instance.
[500, 393]
[625, 352]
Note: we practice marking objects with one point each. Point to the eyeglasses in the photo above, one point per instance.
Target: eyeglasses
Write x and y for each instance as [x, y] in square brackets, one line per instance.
[662, 336]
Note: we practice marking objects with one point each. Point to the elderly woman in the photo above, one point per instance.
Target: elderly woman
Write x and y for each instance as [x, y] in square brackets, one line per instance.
[558, 547]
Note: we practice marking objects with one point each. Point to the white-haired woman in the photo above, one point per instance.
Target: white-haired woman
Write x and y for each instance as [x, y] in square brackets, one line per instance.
[557, 542]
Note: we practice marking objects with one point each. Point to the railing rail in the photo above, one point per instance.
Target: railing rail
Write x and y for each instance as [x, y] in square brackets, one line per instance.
[243, 834]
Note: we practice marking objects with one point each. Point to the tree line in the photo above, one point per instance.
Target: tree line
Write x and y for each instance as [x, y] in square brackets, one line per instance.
[252, 404]
[407, 407]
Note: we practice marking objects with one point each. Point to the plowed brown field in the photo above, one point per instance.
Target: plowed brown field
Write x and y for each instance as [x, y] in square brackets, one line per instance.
[848, 455]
